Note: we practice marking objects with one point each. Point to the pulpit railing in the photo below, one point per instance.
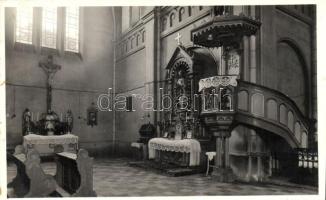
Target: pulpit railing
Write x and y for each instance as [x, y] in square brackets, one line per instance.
[271, 110]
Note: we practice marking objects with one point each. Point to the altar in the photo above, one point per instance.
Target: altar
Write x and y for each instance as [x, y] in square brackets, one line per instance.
[189, 148]
[48, 145]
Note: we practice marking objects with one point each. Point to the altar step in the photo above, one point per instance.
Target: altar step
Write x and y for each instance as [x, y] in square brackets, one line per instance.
[167, 168]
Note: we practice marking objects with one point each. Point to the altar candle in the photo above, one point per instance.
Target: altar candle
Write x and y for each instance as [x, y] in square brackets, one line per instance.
[186, 117]
[61, 117]
[170, 117]
[32, 116]
[37, 116]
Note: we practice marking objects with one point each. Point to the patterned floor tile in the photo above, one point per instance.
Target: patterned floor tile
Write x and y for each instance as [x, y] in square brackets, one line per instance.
[113, 177]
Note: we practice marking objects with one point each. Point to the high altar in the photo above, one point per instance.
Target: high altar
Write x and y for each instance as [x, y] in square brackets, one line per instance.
[50, 134]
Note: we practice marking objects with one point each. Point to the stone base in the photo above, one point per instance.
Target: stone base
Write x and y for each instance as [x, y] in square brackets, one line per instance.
[223, 175]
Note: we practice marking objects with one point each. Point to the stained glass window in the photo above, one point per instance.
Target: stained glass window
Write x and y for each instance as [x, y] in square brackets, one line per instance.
[49, 27]
[24, 25]
[72, 29]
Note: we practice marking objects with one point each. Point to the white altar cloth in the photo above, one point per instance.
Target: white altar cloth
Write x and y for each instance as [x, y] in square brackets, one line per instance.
[186, 146]
[45, 144]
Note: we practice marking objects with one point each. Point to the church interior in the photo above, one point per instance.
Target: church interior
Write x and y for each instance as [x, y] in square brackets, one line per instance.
[161, 100]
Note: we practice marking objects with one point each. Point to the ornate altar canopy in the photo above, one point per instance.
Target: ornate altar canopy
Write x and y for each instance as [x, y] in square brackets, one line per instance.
[190, 146]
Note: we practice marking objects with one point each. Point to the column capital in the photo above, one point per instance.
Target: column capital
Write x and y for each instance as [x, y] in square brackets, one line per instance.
[222, 133]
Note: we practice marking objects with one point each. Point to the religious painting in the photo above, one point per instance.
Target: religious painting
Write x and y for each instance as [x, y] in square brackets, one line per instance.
[181, 86]
[233, 63]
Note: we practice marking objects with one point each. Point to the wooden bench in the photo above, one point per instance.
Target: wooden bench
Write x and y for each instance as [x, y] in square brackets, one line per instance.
[30, 181]
[75, 174]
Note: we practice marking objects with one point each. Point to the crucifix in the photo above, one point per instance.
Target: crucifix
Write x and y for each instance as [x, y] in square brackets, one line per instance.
[178, 38]
[50, 69]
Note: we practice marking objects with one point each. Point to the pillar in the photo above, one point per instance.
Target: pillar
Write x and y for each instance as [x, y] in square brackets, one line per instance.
[252, 55]
[245, 71]
[223, 62]
[259, 168]
[222, 172]
[218, 159]
[227, 153]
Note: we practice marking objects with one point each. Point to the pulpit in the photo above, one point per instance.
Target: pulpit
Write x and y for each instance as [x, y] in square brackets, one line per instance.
[218, 114]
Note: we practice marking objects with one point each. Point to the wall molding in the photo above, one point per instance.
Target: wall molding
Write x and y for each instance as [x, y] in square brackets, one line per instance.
[176, 18]
[54, 88]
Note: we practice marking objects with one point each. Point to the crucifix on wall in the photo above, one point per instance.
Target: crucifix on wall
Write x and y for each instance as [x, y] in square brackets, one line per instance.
[50, 69]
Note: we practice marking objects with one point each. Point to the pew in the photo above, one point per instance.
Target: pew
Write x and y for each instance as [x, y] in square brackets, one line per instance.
[75, 174]
[30, 181]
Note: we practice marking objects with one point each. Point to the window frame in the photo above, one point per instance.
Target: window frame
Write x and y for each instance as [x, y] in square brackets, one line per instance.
[67, 52]
[57, 24]
[36, 45]
[21, 46]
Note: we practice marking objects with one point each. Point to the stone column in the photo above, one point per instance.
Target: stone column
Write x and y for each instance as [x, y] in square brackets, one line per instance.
[252, 55]
[245, 71]
[227, 152]
[259, 168]
[218, 159]
[223, 61]
[222, 172]
[150, 51]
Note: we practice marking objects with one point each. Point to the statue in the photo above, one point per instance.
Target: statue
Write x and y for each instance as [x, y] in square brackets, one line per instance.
[226, 99]
[51, 119]
[70, 121]
[28, 125]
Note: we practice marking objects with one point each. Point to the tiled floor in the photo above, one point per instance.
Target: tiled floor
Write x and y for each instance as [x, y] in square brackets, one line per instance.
[113, 177]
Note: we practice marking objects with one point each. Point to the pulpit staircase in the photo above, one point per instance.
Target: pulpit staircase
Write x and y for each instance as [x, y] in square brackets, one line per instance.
[270, 110]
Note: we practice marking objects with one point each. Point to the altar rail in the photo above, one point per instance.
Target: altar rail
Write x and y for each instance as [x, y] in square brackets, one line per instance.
[271, 110]
[303, 162]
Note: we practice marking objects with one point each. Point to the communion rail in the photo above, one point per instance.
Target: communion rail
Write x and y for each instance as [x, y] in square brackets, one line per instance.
[303, 161]
[271, 110]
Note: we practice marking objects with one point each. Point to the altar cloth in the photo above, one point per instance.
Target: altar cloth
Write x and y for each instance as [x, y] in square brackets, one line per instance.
[45, 145]
[185, 146]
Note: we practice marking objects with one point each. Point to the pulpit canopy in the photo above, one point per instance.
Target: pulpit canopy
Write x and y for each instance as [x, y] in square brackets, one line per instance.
[224, 29]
